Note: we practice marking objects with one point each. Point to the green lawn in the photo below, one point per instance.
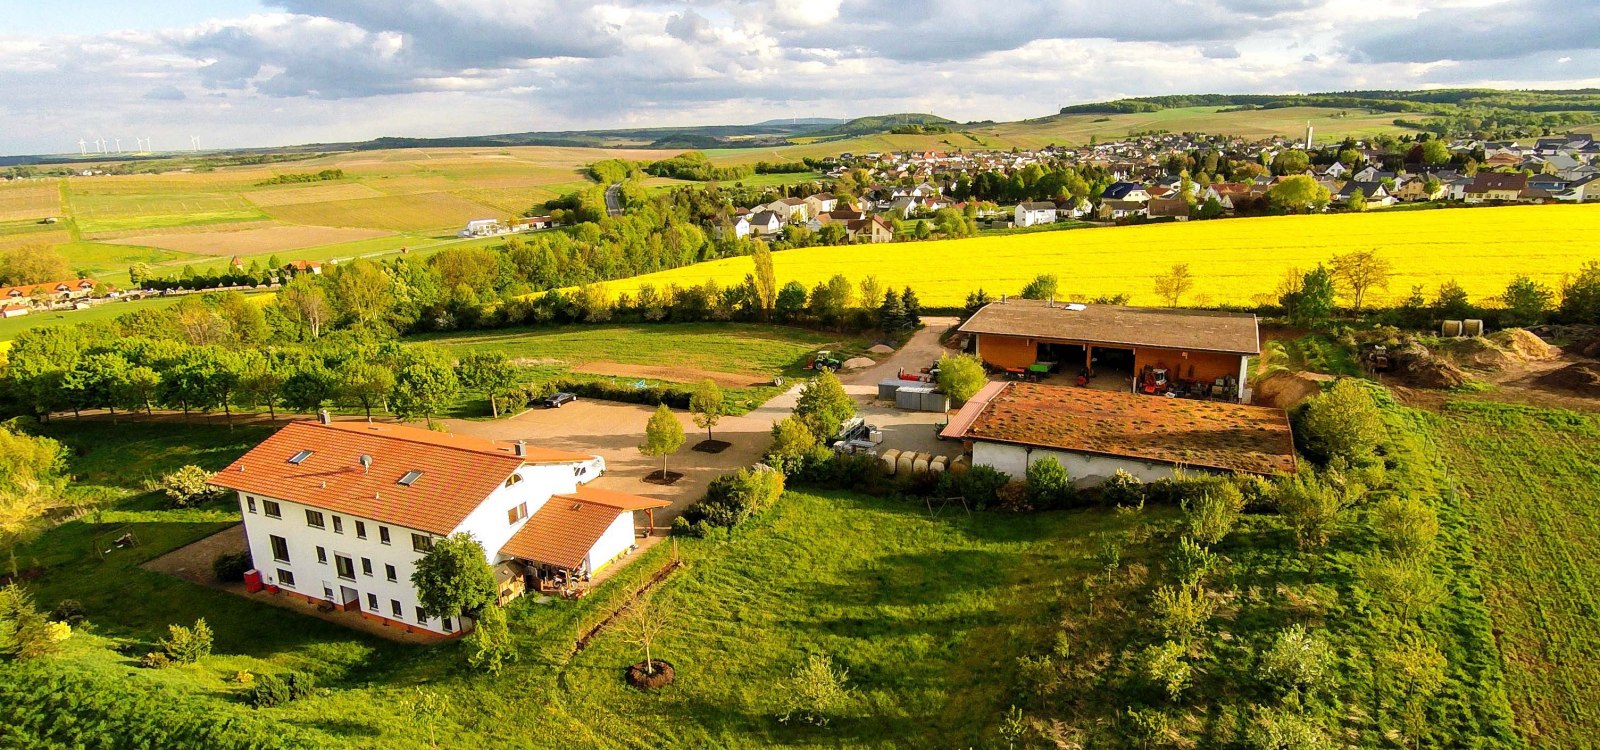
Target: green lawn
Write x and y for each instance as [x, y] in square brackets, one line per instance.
[1526, 481]
[687, 352]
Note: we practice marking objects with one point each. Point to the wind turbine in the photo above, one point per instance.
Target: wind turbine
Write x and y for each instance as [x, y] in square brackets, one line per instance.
[100, 145]
[83, 147]
[194, 140]
[119, 145]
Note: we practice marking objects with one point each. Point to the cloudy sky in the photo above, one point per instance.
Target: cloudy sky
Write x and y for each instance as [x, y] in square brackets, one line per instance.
[273, 72]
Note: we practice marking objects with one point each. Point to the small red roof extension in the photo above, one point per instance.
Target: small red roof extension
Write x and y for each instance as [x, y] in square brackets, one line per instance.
[563, 531]
[458, 472]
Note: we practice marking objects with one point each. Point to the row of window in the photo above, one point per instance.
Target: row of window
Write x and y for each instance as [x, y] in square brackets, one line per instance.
[286, 578]
[315, 519]
[343, 565]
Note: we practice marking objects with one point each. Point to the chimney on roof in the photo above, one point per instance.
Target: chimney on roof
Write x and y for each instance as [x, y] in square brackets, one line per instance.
[324, 417]
[520, 448]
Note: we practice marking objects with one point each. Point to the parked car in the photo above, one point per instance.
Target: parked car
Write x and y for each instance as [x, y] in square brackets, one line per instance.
[555, 400]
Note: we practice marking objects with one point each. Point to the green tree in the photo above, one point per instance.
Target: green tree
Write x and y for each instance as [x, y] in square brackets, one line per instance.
[823, 406]
[1311, 304]
[25, 632]
[791, 443]
[1298, 193]
[1360, 271]
[32, 486]
[489, 645]
[362, 293]
[1299, 663]
[871, 291]
[138, 388]
[961, 376]
[364, 384]
[1311, 507]
[1172, 285]
[1042, 287]
[912, 307]
[454, 577]
[790, 302]
[1181, 612]
[1580, 295]
[425, 384]
[1342, 423]
[1435, 152]
[1526, 302]
[891, 315]
[663, 436]
[305, 304]
[260, 384]
[1406, 525]
[1214, 514]
[1291, 162]
[706, 404]
[1452, 302]
[1164, 666]
[487, 371]
[1357, 201]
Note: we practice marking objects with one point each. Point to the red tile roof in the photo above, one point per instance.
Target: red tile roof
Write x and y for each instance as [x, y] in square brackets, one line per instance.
[458, 472]
[1202, 434]
[562, 532]
[620, 500]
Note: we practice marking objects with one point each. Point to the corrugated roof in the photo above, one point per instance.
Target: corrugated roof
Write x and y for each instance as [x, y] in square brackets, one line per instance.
[1202, 434]
[1117, 325]
[458, 472]
[562, 532]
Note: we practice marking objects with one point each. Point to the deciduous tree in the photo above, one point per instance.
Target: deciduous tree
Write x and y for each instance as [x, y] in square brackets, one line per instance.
[1360, 271]
[663, 436]
[487, 371]
[961, 376]
[824, 405]
[1172, 285]
[706, 404]
[454, 577]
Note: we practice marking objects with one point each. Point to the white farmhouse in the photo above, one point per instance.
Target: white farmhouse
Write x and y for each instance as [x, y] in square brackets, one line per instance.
[480, 228]
[1029, 213]
[340, 512]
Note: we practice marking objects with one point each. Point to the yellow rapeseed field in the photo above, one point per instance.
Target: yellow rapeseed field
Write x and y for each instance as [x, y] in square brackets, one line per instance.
[1234, 261]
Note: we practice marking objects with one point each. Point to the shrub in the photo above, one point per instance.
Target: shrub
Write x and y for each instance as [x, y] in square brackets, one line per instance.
[1278, 729]
[1343, 422]
[1122, 489]
[187, 645]
[1214, 514]
[189, 485]
[732, 498]
[489, 644]
[1049, 485]
[1181, 612]
[230, 567]
[244, 677]
[961, 376]
[1297, 663]
[792, 442]
[1311, 506]
[1013, 496]
[816, 691]
[824, 405]
[1164, 666]
[1191, 563]
[155, 660]
[268, 691]
[25, 632]
[676, 398]
[981, 485]
[1407, 525]
[69, 611]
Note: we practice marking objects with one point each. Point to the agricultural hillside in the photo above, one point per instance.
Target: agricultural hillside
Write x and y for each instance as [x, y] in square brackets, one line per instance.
[384, 201]
[1233, 261]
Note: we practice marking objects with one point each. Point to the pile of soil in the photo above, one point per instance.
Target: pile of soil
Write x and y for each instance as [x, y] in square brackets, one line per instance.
[1580, 377]
[1286, 389]
[661, 677]
[856, 363]
[1479, 354]
[881, 349]
[1524, 345]
[662, 477]
[1417, 367]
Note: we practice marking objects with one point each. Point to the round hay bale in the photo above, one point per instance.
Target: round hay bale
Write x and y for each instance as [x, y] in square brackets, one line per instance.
[937, 465]
[960, 465]
[904, 463]
[920, 464]
[890, 459]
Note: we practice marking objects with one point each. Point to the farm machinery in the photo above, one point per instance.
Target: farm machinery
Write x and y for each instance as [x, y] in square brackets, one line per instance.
[824, 361]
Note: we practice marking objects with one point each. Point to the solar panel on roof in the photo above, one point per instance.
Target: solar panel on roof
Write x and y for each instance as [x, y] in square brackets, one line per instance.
[409, 478]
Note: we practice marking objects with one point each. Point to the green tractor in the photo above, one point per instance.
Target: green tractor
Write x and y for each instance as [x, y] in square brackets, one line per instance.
[824, 361]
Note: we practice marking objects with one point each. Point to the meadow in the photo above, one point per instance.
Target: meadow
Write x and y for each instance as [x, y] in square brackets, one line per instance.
[1525, 481]
[1233, 261]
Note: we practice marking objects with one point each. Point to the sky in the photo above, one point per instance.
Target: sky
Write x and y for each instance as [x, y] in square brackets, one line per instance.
[240, 73]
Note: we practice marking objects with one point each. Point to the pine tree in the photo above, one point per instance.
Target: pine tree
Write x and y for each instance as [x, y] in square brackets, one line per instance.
[913, 309]
[891, 314]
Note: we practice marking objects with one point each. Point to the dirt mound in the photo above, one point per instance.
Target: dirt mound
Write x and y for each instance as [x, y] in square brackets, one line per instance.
[661, 675]
[881, 349]
[1478, 353]
[1580, 377]
[1416, 366]
[1285, 389]
[1524, 345]
[856, 363]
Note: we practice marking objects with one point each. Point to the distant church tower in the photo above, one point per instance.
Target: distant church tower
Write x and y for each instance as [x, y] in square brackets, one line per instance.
[1308, 135]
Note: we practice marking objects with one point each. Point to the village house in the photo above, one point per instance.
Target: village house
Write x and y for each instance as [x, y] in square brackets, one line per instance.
[790, 209]
[1111, 210]
[821, 203]
[54, 291]
[340, 513]
[873, 229]
[763, 223]
[1031, 213]
[1094, 434]
[1496, 187]
[1175, 209]
[1115, 341]
[1374, 193]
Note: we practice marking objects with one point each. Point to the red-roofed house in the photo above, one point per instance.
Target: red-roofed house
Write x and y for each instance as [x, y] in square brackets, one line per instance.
[341, 512]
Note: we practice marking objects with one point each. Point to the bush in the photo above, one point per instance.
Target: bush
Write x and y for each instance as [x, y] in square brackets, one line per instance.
[1215, 513]
[189, 485]
[1311, 506]
[270, 690]
[1181, 612]
[1122, 489]
[1279, 729]
[155, 660]
[961, 376]
[792, 443]
[1049, 485]
[732, 498]
[676, 398]
[1297, 663]
[1164, 666]
[69, 611]
[1406, 525]
[1342, 423]
[981, 486]
[230, 567]
[1191, 563]
[25, 633]
[187, 645]
[816, 691]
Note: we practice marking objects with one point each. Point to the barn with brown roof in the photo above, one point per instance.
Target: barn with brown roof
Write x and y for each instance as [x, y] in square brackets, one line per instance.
[1116, 341]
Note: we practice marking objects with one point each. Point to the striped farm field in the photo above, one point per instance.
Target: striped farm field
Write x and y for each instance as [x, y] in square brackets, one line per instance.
[1234, 261]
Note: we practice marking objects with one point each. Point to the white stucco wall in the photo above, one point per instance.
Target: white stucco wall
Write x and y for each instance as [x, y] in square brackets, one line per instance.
[1014, 460]
[488, 522]
[618, 538]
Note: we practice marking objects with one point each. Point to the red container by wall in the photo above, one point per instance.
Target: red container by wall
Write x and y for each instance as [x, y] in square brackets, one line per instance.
[252, 581]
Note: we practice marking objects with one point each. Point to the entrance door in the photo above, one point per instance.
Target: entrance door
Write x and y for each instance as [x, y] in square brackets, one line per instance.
[349, 599]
